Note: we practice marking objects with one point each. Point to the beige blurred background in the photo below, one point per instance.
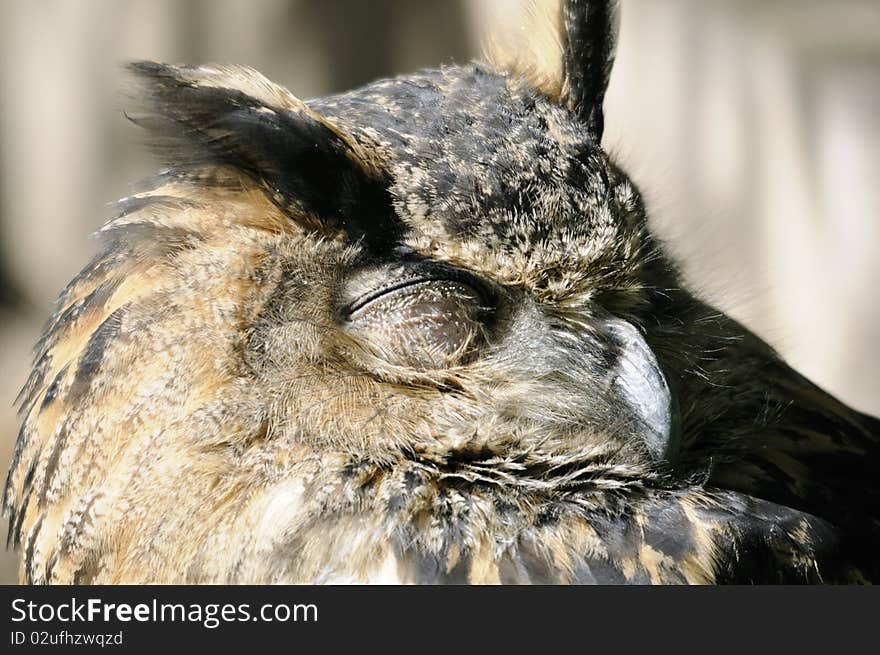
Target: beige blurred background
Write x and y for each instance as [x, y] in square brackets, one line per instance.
[752, 126]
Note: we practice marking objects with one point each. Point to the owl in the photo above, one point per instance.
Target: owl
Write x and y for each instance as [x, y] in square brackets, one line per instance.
[419, 332]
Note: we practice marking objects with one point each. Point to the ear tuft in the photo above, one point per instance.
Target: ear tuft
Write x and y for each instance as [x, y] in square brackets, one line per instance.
[564, 50]
[590, 34]
[231, 116]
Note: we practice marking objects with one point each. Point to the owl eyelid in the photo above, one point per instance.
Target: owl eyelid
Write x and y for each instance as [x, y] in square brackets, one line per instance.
[397, 285]
[408, 274]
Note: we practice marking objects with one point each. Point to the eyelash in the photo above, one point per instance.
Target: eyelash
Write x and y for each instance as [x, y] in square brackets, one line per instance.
[487, 296]
[366, 299]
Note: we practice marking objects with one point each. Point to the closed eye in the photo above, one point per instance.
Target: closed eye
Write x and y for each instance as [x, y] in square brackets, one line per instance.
[391, 287]
[424, 321]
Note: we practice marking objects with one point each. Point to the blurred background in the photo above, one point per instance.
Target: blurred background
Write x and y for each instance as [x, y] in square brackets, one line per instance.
[752, 127]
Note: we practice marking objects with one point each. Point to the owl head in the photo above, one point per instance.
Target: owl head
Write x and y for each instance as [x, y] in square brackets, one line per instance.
[419, 313]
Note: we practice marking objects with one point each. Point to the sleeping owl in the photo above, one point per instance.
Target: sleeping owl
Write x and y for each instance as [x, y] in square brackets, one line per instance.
[419, 332]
